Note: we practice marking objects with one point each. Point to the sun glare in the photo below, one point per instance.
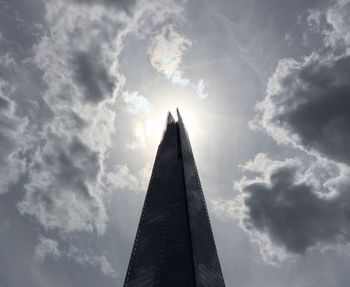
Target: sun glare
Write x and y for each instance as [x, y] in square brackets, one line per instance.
[155, 123]
[149, 129]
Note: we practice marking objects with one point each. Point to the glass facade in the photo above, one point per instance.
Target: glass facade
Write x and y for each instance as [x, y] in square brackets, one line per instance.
[174, 244]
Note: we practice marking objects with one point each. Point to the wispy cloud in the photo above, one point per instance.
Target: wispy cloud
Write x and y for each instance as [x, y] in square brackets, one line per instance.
[82, 80]
[12, 133]
[122, 179]
[46, 247]
[166, 54]
[88, 258]
[51, 248]
[167, 50]
[136, 103]
[58, 111]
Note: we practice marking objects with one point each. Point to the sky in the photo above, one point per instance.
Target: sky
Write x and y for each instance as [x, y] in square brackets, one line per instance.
[264, 91]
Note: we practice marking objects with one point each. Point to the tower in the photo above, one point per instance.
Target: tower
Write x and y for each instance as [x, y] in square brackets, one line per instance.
[174, 244]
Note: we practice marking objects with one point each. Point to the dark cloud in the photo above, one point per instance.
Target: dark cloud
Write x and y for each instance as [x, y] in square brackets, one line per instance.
[64, 190]
[289, 209]
[78, 58]
[310, 103]
[304, 204]
[93, 77]
[5, 104]
[62, 193]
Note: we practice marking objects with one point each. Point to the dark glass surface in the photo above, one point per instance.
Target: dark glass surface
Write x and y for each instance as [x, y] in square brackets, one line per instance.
[174, 244]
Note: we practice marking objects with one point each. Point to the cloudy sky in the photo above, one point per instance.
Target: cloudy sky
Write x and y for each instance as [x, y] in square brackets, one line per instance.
[264, 89]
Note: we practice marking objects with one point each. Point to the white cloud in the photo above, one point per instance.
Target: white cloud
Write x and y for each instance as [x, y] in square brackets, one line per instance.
[79, 62]
[50, 248]
[290, 207]
[122, 179]
[332, 23]
[178, 79]
[63, 143]
[294, 205]
[136, 103]
[338, 17]
[167, 50]
[88, 258]
[12, 139]
[166, 54]
[200, 90]
[46, 247]
[63, 192]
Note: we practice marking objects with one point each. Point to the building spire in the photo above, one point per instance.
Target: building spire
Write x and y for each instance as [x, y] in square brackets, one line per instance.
[174, 244]
[170, 118]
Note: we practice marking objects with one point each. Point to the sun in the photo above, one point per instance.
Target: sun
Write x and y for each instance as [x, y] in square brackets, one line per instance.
[154, 125]
[148, 128]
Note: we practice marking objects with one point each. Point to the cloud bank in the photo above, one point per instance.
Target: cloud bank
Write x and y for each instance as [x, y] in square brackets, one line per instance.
[308, 104]
[295, 207]
[58, 98]
[292, 206]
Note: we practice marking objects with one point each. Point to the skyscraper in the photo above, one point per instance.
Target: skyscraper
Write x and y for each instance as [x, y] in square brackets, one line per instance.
[174, 244]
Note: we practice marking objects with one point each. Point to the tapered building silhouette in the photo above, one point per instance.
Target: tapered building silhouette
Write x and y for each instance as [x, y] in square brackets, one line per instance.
[174, 244]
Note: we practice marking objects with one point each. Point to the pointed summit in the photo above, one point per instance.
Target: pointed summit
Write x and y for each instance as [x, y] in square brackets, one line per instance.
[179, 118]
[170, 118]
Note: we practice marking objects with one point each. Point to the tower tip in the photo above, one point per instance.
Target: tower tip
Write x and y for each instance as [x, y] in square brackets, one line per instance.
[170, 118]
[179, 118]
